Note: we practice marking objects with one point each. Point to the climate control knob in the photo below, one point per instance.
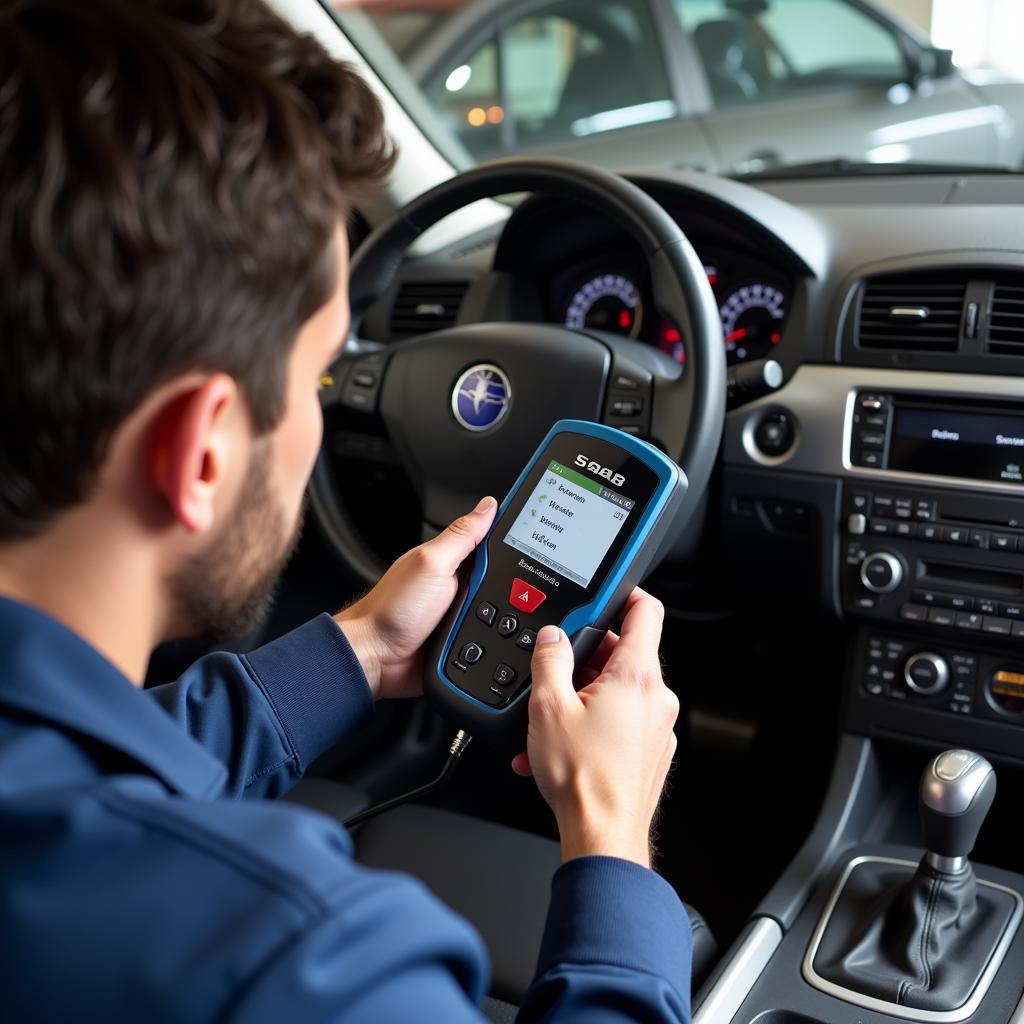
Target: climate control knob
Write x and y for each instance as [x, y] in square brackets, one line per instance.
[926, 673]
[881, 572]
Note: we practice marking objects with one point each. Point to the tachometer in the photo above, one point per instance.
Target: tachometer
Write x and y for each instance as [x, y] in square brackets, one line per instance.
[752, 316]
[608, 302]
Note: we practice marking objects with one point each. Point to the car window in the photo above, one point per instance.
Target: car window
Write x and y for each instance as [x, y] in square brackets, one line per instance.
[754, 51]
[571, 69]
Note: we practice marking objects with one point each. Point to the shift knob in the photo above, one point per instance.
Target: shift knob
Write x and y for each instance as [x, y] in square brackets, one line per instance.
[957, 790]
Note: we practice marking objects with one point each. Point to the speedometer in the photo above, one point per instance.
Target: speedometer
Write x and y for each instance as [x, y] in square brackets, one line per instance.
[608, 302]
[752, 318]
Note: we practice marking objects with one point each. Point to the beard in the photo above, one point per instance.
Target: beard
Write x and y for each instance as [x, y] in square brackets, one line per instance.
[227, 589]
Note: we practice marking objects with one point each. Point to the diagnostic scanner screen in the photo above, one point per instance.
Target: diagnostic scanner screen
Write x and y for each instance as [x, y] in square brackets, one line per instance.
[569, 522]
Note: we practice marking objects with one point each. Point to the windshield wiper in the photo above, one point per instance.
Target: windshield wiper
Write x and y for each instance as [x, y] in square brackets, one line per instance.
[842, 167]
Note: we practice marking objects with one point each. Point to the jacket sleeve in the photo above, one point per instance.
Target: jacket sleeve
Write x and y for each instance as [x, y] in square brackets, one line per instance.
[266, 715]
[617, 947]
[616, 950]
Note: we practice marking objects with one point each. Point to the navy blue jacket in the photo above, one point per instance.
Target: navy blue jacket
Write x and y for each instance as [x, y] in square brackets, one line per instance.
[145, 876]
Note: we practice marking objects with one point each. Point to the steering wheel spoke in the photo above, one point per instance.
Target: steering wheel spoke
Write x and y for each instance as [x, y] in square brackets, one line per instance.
[355, 380]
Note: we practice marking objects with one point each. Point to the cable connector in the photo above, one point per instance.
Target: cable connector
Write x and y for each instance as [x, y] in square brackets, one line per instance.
[459, 744]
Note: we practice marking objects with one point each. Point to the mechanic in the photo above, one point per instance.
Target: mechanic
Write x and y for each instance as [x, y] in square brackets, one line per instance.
[174, 181]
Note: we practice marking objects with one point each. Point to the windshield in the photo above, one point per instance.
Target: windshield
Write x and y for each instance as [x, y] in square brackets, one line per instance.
[741, 87]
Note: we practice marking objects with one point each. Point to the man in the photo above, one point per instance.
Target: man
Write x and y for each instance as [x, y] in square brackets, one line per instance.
[174, 177]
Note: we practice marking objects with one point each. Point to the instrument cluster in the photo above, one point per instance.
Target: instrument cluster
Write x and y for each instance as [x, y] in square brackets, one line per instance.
[612, 293]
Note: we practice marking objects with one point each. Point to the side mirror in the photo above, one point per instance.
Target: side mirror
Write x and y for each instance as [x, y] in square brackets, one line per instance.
[942, 61]
[928, 62]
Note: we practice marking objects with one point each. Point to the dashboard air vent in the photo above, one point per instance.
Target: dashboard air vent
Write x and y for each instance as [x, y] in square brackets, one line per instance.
[913, 312]
[423, 306]
[1006, 323]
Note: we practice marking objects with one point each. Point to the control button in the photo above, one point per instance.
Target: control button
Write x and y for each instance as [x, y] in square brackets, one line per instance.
[996, 626]
[524, 597]
[874, 419]
[881, 527]
[875, 688]
[904, 508]
[1011, 610]
[928, 531]
[954, 535]
[941, 617]
[871, 403]
[873, 672]
[627, 406]
[968, 620]
[960, 603]
[471, 653]
[527, 640]
[1003, 542]
[978, 539]
[860, 502]
[986, 606]
[1017, 630]
[928, 597]
[872, 460]
[857, 523]
[485, 612]
[926, 673]
[871, 439]
[504, 674]
[914, 613]
[623, 382]
[866, 604]
[495, 697]
[881, 572]
[901, 529]
[924, 508]
[507, 625]
[884, 504]
[964, 666]
[364, 379]
[775, 434]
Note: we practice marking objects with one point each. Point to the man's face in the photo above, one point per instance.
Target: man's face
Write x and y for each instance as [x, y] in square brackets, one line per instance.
[227, 588]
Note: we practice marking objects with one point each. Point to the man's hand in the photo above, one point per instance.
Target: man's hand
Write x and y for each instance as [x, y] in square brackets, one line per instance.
[600, 755]
[388, 627]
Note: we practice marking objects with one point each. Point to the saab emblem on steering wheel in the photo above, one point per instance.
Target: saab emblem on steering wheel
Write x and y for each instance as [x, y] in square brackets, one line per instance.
[481, 396]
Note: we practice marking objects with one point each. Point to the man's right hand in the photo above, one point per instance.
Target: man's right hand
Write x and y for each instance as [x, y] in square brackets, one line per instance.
[600, 754]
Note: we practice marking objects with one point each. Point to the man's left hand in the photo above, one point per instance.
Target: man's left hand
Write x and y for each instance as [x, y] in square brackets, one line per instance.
[388, 626]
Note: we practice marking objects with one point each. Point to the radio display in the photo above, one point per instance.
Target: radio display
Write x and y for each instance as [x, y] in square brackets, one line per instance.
[958, 442]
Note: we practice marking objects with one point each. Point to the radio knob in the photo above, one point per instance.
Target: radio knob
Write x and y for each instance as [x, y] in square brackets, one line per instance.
[926, 673]
[881, 572]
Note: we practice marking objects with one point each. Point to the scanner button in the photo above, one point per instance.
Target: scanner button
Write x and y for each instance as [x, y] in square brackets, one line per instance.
[504, 674]
[507, 625]
[471, 654]
[524, 597]
[485, 612]
[527, 640]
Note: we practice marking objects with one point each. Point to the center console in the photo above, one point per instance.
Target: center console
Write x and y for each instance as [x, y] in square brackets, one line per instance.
[905, 493]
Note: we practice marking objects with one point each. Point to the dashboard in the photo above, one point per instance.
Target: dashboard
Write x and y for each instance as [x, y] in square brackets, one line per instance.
[865, 489]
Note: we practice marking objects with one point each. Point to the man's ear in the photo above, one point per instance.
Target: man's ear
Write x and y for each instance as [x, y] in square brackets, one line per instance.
[196, 437]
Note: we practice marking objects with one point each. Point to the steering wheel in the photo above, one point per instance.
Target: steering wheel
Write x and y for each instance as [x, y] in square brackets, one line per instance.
[517, 379]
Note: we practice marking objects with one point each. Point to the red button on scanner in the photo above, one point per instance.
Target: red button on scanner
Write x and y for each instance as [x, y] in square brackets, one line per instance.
[524, 597]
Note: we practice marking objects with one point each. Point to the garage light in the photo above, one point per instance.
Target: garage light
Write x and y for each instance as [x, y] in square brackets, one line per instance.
[458, 78]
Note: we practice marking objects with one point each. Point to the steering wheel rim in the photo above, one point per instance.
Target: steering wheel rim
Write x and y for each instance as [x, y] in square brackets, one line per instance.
[681, 293]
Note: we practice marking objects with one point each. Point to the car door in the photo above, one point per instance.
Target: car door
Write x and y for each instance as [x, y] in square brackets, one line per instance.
[581, 78]
[799, 80]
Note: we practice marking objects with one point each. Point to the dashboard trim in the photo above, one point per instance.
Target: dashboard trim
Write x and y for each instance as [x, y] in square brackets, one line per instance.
[821, 399]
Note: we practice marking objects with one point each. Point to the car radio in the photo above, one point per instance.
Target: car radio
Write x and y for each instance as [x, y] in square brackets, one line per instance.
[925, 436]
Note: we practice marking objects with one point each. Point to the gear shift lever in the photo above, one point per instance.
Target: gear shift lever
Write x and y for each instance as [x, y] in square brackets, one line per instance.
[957, 789]
[921, 938]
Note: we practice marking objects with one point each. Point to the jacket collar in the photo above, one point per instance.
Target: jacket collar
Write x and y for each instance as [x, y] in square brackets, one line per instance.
[52, 674]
